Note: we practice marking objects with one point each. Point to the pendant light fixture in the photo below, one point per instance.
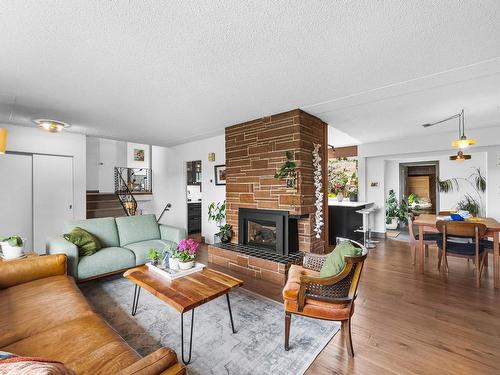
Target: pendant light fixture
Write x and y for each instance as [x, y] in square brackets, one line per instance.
[462, 141]
[51, 126]
[3, 140]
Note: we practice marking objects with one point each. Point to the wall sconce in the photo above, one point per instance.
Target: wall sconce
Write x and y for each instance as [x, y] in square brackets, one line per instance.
[3, 140]
[211, 156]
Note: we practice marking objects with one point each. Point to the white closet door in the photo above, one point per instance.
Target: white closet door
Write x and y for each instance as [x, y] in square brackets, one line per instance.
[52, 197]
[16, 197]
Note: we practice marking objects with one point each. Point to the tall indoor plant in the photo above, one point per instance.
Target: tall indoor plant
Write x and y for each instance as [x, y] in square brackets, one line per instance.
[217, 213]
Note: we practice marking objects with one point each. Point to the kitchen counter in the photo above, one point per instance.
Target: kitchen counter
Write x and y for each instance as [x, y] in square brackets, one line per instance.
[334, 202]
[344, 221]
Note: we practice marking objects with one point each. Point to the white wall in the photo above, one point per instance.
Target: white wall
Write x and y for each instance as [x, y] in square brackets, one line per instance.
[34, 140]
[169, 180]
[379, 162]
[92, 163]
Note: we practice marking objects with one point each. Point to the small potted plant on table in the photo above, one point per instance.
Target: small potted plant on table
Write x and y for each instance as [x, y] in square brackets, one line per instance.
[12, 247]
[186, 252]
[154, 256]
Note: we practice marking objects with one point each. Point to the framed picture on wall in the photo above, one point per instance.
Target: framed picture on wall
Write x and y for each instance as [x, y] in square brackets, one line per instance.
[220, 174]
[138, 154]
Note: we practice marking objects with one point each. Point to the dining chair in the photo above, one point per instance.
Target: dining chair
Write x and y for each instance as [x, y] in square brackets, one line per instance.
[466, 243]
[328, 298]
[429, 239]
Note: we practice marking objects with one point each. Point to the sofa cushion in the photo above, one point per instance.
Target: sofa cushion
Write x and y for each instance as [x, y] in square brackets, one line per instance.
[109, 259]
[36, 306]
[137, 228]
[141, 249]
[87, 345]
[86, 242]
[103, 228]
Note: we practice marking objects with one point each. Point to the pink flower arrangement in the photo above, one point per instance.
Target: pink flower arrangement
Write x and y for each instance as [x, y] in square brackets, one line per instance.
[186, 250]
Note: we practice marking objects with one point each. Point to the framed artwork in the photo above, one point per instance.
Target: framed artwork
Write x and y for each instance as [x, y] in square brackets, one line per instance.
[138, 154]
[220, 174]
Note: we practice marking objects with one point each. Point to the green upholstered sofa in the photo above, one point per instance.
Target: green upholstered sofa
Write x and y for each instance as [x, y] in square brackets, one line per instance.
[125, 240]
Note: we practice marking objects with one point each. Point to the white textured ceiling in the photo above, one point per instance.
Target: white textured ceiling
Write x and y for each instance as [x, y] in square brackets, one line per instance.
[166, 72]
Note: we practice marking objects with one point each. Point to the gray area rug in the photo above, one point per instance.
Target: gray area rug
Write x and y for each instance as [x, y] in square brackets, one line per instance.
[256, 348]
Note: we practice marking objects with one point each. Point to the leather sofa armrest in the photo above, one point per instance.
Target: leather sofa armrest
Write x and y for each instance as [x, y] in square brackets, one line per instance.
[21, 271]
[163, 361]
[59, 245]
[170, 233]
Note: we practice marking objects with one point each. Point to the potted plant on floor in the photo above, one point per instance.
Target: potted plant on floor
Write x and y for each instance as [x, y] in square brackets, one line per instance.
[391, 211]
[217, 213]
[12, 247]
[186, 252]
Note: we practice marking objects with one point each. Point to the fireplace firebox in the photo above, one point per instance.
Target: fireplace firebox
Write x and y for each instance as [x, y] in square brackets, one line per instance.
[269, 230]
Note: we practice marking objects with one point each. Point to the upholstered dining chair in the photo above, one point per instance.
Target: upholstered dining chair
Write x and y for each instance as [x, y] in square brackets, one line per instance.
[327, 298]
[429, 239]
[466, 243]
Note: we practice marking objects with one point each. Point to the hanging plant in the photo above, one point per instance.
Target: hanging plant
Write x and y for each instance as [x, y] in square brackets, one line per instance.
[288, 172]
[318, 184]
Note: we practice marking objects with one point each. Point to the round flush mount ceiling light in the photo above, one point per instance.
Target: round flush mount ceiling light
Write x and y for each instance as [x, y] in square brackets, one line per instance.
[52, 126]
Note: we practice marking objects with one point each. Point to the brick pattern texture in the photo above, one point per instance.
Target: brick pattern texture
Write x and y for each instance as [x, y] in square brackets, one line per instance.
[255, 150]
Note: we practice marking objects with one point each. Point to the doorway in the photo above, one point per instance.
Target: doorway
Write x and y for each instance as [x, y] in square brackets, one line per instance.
[418, 186]
[194, 198]
[40, 197]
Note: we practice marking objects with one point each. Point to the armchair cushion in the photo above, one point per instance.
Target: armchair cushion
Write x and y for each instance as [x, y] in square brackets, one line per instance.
[335, 262]
[312, 307]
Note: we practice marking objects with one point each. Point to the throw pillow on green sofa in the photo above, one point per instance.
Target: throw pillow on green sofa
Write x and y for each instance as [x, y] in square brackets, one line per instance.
[335, 262]
[86, 242]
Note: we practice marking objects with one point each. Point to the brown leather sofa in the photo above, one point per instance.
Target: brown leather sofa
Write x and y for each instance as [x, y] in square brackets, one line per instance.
[44, 314]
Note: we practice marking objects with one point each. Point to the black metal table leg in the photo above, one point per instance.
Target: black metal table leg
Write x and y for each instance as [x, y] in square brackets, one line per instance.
[135, 302]
[190, 337]
[230, 313]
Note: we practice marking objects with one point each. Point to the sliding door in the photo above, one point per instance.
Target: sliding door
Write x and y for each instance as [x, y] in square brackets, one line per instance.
[52, 197]
[16, 197]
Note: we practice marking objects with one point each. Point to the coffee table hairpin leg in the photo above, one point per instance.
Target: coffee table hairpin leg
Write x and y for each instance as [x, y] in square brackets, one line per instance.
[135, 302]
[190, 337]
[230, 313]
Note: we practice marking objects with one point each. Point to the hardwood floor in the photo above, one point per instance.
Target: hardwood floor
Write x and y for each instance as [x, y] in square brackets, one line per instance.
[407, 323]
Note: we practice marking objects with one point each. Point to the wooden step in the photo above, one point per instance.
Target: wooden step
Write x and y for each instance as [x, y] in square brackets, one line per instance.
[92, 205]
[106, 212]
[93, 197]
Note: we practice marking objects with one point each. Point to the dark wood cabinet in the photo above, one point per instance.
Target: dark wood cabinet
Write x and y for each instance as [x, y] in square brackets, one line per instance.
[194, 217]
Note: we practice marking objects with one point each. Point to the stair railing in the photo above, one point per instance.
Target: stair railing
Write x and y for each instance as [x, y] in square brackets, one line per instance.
[124, 194]
[167, 208]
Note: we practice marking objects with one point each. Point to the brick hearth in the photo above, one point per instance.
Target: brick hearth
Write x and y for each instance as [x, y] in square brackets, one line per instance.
[248, 261]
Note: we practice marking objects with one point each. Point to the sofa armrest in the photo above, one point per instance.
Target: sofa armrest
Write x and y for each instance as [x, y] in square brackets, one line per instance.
[21, 271]
[163, 361]
[171, 233]
[59, 245]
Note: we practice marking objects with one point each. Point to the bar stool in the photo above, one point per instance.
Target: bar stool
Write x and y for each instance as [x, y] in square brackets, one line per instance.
[365, 229]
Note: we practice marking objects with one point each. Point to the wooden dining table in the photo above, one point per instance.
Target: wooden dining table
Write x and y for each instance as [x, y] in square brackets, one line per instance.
[427, 223]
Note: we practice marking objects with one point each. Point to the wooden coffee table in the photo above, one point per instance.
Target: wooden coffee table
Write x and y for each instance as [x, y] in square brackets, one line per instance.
[183, 294]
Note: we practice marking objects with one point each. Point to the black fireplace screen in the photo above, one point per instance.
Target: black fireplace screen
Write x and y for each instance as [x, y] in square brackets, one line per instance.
[261, 233]
[270, 230]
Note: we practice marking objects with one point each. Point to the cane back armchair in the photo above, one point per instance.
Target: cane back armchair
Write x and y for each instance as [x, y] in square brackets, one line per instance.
[327, 298]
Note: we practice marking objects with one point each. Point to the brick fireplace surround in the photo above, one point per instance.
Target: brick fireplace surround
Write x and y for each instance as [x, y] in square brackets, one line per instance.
[254, 151]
